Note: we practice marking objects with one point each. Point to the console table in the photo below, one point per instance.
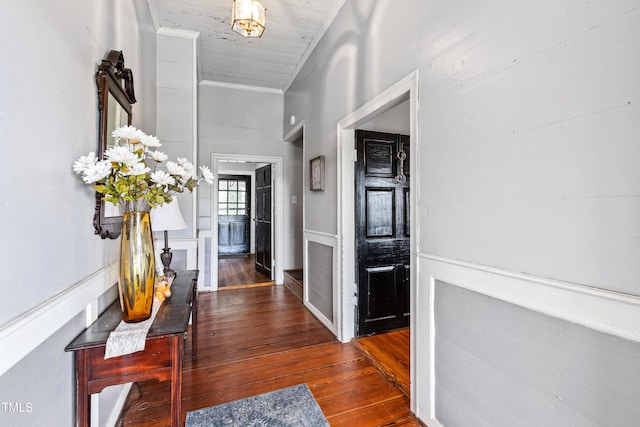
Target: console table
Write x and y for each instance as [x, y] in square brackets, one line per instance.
[161, 359]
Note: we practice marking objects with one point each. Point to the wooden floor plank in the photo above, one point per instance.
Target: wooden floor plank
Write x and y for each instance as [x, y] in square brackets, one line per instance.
[257, 340]
[239, 271]
[390, 353]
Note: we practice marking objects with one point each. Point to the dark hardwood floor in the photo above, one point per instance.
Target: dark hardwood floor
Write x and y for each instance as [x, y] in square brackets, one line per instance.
[259, 339]
[389, 352]
[239, 271]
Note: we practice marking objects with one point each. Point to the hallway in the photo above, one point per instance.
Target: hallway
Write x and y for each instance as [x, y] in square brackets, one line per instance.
[259, 339]
[239, 270]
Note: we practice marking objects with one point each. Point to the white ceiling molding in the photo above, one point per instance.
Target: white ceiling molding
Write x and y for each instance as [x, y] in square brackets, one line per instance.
[247, 88]
[164, 31]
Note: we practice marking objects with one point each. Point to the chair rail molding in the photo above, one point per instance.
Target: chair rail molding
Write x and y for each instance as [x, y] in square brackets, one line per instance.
[598, 309]
[23, 334]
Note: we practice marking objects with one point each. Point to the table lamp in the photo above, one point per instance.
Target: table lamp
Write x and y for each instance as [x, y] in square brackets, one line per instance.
[167, 217]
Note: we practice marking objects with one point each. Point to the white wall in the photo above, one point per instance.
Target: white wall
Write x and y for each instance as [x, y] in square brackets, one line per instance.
[48, 118]
[395, 120]
[177, 111]
[249, 122]
[527, 137]
[293, 204]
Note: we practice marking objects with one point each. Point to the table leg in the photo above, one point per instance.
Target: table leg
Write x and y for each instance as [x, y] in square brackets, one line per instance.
[194, 325]
[177, 343]
[83, 398]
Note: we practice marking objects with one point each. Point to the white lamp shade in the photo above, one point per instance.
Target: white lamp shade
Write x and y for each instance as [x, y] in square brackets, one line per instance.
[167, 217]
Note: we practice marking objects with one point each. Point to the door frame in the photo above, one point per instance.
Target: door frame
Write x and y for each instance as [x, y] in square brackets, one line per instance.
[277, 226]
[346, 288]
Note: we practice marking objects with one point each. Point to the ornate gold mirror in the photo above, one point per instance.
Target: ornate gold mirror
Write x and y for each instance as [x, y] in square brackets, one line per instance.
[115, 97]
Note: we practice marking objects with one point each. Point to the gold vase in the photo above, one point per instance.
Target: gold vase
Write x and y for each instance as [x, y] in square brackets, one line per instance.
[137, 267]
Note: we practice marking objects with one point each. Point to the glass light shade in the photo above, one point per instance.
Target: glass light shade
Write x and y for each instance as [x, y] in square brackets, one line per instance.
[249, 18]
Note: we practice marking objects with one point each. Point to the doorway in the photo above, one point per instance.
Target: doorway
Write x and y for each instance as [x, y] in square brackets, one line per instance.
[233, 165]
[382, 221]
[346, 290]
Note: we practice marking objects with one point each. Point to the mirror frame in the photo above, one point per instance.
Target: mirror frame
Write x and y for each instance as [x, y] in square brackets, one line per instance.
[112, 78]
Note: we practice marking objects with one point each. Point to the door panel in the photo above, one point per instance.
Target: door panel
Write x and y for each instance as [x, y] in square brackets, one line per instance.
[234, 214]
[382, 232]
[263, 220]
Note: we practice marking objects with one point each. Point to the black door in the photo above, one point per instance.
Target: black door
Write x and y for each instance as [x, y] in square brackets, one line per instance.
[234, 214]
[263, 220]
[382, 231]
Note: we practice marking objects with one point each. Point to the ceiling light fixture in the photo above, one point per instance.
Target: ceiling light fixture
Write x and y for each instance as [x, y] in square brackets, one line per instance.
[249, 18]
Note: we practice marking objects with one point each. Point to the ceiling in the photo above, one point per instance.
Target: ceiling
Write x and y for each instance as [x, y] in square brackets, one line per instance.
[272, 61]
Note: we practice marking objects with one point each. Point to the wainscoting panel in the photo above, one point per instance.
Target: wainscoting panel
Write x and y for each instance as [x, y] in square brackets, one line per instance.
[502, 348]
[320, 277]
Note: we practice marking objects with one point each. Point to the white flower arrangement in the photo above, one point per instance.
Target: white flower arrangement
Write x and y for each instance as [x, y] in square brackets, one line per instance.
[129, 175]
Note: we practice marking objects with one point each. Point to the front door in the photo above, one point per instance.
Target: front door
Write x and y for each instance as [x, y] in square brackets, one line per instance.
[382, 231]
[234, 215]
[263, 220]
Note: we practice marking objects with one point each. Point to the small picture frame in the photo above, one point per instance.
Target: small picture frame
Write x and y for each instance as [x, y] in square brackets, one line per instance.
[316, 174]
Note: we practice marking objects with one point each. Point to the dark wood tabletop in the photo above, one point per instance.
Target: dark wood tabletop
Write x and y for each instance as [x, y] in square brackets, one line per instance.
[173, 316]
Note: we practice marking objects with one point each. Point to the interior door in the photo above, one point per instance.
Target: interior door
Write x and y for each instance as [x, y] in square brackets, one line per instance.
[382, 231]
[263, 220]
[234, 214]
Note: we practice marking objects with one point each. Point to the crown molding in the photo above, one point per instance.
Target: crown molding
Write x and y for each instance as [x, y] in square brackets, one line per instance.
[247, 88]
[166, 31]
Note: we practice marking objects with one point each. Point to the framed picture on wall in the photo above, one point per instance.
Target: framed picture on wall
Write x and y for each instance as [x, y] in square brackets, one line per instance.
[316, 174]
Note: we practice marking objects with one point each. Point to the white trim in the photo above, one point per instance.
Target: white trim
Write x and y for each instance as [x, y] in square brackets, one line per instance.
[22, 335]
[295, 132]
[346, 286]
[606, 311]
[247, 88]
[194, 154]
[166, 31]
[330, 240]
[278, 206]
[601, 310]
[202, 236]
[114, 416]
[316, 39]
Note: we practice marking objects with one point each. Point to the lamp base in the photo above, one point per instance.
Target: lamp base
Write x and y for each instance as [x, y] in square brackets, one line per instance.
[166, 257]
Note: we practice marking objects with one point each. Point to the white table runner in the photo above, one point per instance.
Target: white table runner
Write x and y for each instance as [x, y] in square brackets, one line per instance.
[129, 338]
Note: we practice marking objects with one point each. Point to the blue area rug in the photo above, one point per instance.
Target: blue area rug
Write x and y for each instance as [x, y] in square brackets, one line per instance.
[292, 406]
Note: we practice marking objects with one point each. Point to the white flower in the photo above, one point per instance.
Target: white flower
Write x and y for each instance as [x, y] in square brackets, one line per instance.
[177, 170]
[207, 175]
[127, 132]
[97, 171]
[162, 178]
[159, 156]
[84, 162]
[150, 141]
[137, 169]
[190, 169]
[121, 154]
[129, 158]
